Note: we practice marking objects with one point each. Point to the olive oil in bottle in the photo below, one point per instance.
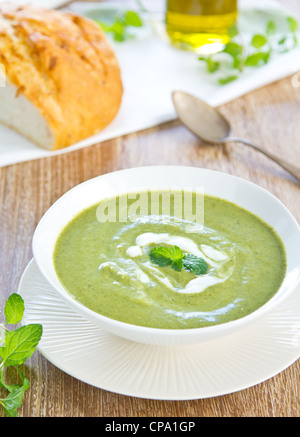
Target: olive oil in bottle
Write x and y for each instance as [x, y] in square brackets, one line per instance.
[200, 25]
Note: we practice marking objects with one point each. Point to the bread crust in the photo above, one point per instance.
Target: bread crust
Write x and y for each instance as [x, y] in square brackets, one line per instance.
[65, 66]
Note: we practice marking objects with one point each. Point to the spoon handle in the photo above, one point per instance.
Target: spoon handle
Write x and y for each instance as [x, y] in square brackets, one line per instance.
[295, 171]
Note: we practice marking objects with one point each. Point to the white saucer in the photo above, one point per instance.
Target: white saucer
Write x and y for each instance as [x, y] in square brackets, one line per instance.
[210, 369]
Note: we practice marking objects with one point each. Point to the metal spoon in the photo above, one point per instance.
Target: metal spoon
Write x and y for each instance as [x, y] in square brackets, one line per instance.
[209, 125]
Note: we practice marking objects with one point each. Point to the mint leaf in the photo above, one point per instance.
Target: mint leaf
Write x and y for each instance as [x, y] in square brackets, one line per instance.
[104, 26]
[133, 19]
[177, 264]
[119, 31]
[161, 256]
[119, 25]
[20, 344]
[176, 258]
[293, 24]
[262, 46]
[8, 412]
[233, 49]
[295, 40]
[282, 40]
[258, 58]
[167, 256]
[233, 31]
[173, 257]
[258, 41]
[228, 79]
[211, 65]
[15, 398]
[238, 63]
[14, 309]
[195, 264]
[271, 27]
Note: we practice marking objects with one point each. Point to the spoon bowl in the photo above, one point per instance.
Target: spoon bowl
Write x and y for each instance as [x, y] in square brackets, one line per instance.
[208, 124]
[203, 120]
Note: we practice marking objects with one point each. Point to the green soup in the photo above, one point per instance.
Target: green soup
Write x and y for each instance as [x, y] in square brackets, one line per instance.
[106, 266]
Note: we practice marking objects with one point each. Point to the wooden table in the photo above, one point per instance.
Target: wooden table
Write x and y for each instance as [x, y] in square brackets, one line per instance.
[268, 116]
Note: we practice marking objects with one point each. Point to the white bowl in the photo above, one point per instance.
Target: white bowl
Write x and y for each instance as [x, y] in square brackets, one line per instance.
[241, 192]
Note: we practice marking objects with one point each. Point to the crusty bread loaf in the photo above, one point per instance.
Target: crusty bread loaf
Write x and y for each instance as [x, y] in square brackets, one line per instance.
[63, 81]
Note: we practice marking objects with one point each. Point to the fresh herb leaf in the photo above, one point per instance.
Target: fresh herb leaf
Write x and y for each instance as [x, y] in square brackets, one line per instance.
[174, 257]
[271, 27]
[233, 49]
[14, 309]
[211, 65]
[18, 345]
[228, 79]
[132, 18]
[261, 46]
[117, 29]
[295, 38]
[233, 31]
[282, 40]
[167, 256]
[122, 22]
[258, 41]
[161, 256]
[256, 59]
[238, 63]
[194, 263]
[293, 24]
[14, 399]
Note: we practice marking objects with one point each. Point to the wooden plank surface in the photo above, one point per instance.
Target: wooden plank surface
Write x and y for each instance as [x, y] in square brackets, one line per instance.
[268, 116]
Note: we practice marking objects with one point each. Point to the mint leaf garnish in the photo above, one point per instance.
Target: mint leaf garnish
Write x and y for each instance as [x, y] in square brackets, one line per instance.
[174, 257]
[194, 263]
[17, 346]
[167, 256]
[161, 256]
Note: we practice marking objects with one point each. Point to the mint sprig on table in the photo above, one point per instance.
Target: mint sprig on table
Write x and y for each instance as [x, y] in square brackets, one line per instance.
[121, 25]
[236, 55]
[16, 346]
[174, 257]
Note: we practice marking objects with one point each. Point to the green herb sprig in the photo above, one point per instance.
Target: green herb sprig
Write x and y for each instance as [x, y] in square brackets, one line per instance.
[16, 346]
[174, 257]
[121, 25]
[236, 56]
